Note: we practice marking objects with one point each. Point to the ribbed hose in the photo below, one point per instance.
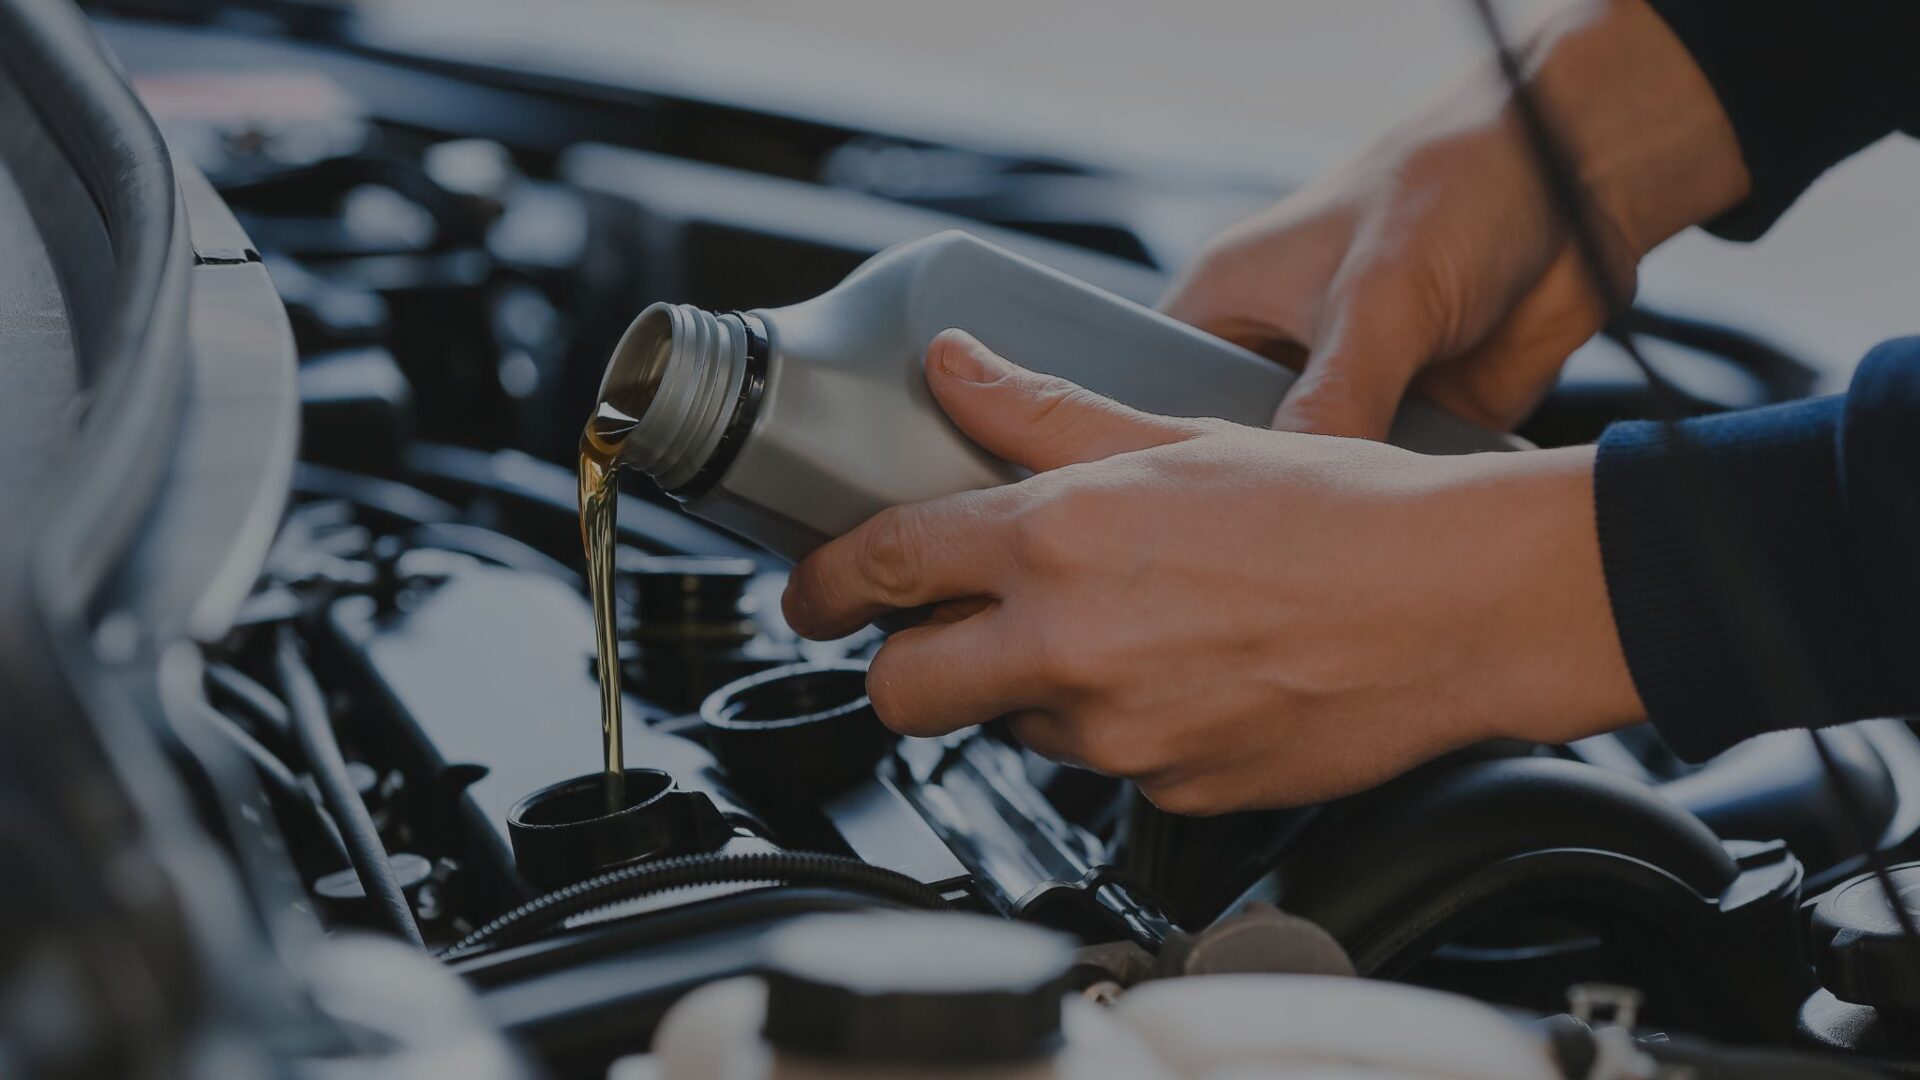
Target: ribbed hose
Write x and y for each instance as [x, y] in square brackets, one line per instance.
[690, 871]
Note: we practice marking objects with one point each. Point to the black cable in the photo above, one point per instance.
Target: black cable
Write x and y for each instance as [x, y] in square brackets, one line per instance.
[1759, 619]
[1782, 375]
[329, 769]
[690, 871]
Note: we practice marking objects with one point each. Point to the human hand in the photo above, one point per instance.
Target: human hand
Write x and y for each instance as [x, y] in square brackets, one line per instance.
[1436, 263]
[1230, 616]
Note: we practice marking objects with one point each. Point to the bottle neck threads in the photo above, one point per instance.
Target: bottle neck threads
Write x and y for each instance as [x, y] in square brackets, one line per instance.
[685, 375]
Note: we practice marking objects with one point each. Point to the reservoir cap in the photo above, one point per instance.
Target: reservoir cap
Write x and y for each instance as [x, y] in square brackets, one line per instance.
[921, 989]
[1859, 948]
[799, 731]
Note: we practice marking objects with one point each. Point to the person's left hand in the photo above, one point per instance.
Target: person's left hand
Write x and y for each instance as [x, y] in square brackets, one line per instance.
[1230, 616]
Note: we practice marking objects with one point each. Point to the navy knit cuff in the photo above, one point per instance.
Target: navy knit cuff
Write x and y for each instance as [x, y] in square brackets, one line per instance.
[1778, 469]
[1805, 84]
[1880, 477]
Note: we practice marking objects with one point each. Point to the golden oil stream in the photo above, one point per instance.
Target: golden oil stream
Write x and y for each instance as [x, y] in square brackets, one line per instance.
[599, 509]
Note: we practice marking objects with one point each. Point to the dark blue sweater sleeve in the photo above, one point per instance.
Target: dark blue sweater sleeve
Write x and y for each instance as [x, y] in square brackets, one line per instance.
[1826, 494]
[1804, 82]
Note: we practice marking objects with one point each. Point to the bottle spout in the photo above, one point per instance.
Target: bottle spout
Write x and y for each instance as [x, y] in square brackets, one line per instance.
[608, 428]
[670, 391]
[635, 371]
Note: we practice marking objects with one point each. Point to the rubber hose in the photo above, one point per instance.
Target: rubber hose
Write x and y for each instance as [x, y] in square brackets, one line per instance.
[269, 714]
[690, 871]
[284, 787]
[364, 847]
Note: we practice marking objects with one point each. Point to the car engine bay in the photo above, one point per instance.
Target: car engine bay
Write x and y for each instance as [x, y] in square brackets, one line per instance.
[455, 249]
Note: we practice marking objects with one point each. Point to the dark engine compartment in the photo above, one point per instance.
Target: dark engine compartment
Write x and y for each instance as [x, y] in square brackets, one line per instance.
[458, 247]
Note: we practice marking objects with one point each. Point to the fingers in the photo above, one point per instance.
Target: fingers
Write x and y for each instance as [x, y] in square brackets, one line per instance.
[903, 557]
[1036, 421]
[1174, 787]
[1499, 382]
[1358, 372]
[1221, 288]
[940, 677]
[1259, 284]
[909, 556]
[1047, 735]
[935, 678]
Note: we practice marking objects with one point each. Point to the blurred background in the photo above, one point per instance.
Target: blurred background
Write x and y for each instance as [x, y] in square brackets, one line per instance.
[1271, 89]
[467, 201]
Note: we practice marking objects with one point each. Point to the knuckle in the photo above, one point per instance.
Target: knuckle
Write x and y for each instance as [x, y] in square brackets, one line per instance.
[1049, 536]
[1062, 409]
[1066, 662]
[888, 555]
[1054, 399]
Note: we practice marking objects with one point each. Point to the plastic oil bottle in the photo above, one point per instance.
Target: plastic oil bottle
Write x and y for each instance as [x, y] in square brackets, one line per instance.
[792, 425]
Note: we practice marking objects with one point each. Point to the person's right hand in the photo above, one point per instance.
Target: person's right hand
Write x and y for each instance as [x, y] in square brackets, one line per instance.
[1436, 263]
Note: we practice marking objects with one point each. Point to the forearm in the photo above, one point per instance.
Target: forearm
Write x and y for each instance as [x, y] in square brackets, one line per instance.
[1548, 665]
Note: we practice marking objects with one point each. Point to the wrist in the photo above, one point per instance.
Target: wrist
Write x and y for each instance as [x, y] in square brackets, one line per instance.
[1645, 129]
[1548, 662]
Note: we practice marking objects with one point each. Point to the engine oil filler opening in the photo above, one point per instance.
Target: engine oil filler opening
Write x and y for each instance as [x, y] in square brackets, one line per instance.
[565, 832]
[582, 799]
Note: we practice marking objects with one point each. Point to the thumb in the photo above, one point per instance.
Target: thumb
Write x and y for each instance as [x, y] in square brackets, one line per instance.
[1357, 373]
[1036, 421]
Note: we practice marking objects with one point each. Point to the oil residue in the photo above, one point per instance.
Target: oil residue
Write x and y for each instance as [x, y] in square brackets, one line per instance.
[600, 447]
